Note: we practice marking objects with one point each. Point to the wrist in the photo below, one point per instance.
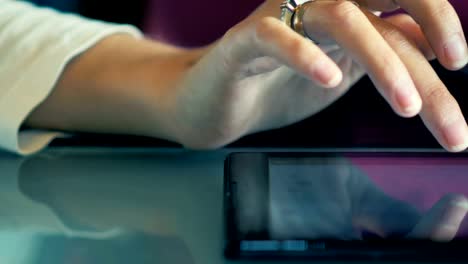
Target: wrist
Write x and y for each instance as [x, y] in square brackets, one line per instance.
[161, 76]
[120, 86]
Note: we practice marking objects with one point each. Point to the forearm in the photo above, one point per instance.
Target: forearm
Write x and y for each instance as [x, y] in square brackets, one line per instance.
[122, 85]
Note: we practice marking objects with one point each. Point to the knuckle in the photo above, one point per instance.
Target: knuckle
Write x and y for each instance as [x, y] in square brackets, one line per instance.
[265, 28]
[436, 93]
[444, 10]
[398, 39]
[345, 12]
[299, 51]
[437, 97]
[296, 46]
[289, 46]
[392, 34]
[442, 108]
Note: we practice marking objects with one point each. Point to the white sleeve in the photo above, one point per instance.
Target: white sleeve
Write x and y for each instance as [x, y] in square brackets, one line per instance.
[35, 45]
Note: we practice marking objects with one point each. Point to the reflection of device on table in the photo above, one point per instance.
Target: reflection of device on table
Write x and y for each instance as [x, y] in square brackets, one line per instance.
[349, 205]
[419, 182]
[317, 197]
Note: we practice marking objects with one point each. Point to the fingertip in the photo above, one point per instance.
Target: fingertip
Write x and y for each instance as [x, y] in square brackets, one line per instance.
[453, 215]
[453, 66]
[460, 201]
[326, 73]
[456, 137]
[413, 109]
[456, 52]
[335, 81]
[458, 148]
[443, 220]
[409, 101]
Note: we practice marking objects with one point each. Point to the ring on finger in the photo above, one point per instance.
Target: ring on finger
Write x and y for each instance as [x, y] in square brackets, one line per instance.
[292, 15]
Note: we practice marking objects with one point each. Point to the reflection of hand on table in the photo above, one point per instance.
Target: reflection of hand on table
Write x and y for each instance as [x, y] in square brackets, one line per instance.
[337, 200]
[147, 194]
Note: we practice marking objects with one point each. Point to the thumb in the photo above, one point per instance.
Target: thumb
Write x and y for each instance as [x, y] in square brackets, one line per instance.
[442, 221]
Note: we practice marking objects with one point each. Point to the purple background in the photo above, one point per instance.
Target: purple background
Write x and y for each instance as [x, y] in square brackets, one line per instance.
[197, 23]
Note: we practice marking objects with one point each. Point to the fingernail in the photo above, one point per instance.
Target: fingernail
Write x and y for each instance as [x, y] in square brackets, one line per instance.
[456, 136]
[326, 74]
[409, 101]
[456, 50]
[336, 80]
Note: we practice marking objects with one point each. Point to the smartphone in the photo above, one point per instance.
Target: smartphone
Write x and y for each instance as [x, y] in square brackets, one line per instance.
[347, 205]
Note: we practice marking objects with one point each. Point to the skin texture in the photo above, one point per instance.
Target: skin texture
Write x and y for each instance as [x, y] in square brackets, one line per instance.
[262, 75]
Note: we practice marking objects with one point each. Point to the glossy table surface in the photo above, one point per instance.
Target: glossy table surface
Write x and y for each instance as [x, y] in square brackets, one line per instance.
[104, 205]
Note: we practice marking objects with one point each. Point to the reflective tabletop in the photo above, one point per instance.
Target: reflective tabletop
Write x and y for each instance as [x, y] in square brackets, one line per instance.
[105, 205]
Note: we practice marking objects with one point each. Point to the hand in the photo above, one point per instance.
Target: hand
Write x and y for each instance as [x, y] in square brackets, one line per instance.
[339, 201]
[263, 75]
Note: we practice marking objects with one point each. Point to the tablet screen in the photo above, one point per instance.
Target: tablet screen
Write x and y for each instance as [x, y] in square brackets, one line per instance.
[355, 197]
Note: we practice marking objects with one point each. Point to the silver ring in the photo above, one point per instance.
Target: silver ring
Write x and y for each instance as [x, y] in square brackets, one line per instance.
[292, 15]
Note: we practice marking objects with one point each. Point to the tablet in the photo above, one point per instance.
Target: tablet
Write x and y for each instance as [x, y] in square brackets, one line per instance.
[347, 206]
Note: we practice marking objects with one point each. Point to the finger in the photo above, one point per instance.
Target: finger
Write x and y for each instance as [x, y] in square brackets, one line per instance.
[443, 220]
[383, 215]
[270, 37]
[379, 5]
[442, 28]
[368, 47]
[412, 30]
[373, 210]
[441, 112]
[440, 24]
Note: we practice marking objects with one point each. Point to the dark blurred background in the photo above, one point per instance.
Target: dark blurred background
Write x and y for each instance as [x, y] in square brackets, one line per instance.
[359, 119]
